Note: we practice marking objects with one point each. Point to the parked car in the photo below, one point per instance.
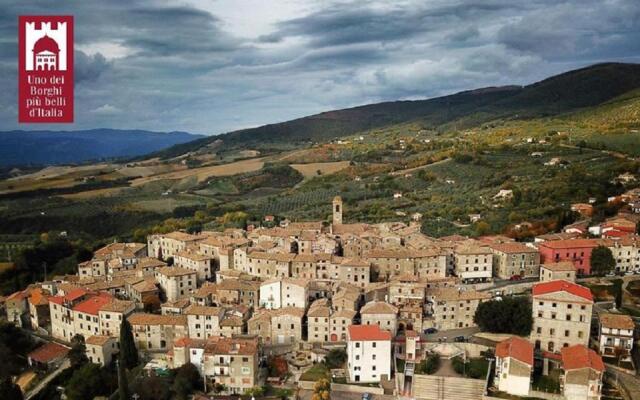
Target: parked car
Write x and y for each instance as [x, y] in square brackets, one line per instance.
[366, 396]
[611, 274]
[629, 273]
[459, 339]
[430, 331]
[515, 278]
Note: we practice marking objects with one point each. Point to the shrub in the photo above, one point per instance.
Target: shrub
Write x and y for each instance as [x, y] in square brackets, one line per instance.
[429, 366]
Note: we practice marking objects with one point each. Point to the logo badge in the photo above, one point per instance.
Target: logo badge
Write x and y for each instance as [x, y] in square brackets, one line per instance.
[45, 69]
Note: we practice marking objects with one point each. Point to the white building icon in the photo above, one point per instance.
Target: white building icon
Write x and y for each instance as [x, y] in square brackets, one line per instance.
[46, 47]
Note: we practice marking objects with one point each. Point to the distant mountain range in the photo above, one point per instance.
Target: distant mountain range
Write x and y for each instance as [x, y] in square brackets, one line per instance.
[18, 148]
[562, 93]
[559, 94]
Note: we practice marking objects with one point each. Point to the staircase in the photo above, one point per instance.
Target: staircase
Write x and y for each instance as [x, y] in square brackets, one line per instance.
[426, 387]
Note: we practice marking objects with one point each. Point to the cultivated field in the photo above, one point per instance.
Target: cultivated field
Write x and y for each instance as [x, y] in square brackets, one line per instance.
[311, 170]
[202, 173]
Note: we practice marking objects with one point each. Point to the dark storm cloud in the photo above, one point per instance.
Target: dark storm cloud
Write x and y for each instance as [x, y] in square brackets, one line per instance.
[89, 68]
[168, 65]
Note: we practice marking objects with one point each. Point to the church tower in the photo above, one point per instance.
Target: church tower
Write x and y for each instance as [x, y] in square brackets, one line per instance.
[337, 210]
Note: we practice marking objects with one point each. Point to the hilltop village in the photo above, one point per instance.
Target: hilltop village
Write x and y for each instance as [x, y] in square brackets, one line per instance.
[393, 303]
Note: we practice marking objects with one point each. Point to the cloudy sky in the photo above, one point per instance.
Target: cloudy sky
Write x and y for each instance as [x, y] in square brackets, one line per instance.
[211, 66]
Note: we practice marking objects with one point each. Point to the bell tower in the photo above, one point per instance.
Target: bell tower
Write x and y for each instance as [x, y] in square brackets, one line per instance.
[337, 210]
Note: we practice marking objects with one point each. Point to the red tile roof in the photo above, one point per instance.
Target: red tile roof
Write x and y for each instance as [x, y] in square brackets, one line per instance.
[564, 286]
[48, 352]
[368, 332]
[75, 294]
[570, 243]
[93, 304]
[579, 356]
[515, 347]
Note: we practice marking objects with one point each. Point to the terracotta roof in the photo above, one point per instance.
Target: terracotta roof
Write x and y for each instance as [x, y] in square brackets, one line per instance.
[579, 356]
[515, 347]
[319, 310]
[148, 262]
[279, 257]
[559, 266]
[75, 294]
[115, 248]
[512, 248]
[93, 304]
[562, 285]
[193, 256]
[292, 311]
[182, 236]
[617, 321]
[472, 248]
[368, 333]
[558, 236]
[348, 314]
[202, 310]
[189, 342]
[570, 243]
[98, 340]
[116, 305]
[354, 262]
[38, 298]
[146, 285]
[228, 346]
[155, 319]
[48, 352]
[378, 307]
[175, 271]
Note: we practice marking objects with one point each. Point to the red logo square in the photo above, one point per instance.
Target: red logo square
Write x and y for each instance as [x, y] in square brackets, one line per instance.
[45, 68]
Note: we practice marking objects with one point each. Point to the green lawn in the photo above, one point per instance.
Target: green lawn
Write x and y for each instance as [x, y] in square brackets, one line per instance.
[317, 372]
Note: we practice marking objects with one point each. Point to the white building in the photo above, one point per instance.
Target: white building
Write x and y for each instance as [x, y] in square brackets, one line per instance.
[561, 315]
[284, 292]
[616, 335]
[514, 366]
[101, 349]
[583, 370]
[368, 353]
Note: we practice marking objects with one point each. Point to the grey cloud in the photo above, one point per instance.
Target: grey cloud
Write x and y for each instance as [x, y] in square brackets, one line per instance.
[89, 67]
[179, 68]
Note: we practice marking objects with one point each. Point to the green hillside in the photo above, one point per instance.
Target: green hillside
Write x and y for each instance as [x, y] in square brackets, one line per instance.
[562, 93]
[559, 141]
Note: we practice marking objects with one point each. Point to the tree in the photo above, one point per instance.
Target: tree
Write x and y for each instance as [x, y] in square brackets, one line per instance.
[87, 382]
[152, 388]
[9, 390]
[194, 227]
[277, 366]
[335, 358]
[602, 260]
[509, 315]
[187, 380]
[123, 382]
[128, 350]
[482, 228]
[219, 387]
[321, 390]
[78, 352]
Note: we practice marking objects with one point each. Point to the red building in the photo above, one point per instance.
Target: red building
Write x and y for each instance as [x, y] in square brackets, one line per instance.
[577, 251]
